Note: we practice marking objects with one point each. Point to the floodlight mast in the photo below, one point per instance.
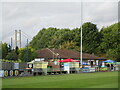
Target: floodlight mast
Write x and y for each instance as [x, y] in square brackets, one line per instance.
[27, 51]
[81, 37]
[11, 55]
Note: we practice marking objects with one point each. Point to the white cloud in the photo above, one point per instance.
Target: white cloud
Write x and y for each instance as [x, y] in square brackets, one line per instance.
[31, 17]
[103, 14]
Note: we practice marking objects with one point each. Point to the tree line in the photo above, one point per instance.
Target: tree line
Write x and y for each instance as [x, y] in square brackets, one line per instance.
[103, 42]
[16, 54]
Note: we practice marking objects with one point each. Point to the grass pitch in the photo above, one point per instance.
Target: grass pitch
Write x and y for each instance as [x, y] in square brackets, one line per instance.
[82, 80]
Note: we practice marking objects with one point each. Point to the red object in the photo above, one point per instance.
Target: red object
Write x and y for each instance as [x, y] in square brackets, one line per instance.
[68, 60]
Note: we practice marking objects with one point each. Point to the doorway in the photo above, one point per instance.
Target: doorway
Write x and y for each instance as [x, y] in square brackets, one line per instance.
[91, 63]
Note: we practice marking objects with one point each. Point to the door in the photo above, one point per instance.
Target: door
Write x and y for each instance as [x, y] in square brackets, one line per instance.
[91, 63]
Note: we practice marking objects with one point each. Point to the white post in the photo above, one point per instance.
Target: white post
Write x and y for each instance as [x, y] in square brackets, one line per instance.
[81, 36]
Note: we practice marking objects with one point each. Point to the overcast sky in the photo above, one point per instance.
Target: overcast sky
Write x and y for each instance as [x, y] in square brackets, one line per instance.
[30, 17]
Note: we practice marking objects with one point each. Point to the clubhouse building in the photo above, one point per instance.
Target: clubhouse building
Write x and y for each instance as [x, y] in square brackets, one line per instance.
[55, 55]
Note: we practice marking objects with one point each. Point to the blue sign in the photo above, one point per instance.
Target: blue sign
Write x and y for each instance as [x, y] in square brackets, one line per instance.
[66, 67]
[85, 69]
[16, 65]
[1, 73]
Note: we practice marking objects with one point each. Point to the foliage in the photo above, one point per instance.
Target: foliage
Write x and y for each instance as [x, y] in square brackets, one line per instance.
[11, 56]
[68, 45]
[15, 61]
[61, 36]
[91, 39]
[43, 38]
[102, 42]
[110, 39]
[16, 50]
[4, 50]
[17, 55]
[57, 38]
[23, 54]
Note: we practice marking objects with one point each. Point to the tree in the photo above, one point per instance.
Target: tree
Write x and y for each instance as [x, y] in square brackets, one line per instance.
[110, 40]
[91, 39]
[43, 38]
[4, 50]
[112, 54]
[11, 56]
[68, 45]
[60, 37]
[54, 38]
[23, 54]
[102, 42]
[76, 36]
[17, 50]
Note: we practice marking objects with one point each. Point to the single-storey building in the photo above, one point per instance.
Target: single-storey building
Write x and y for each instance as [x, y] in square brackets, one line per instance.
[53, 55]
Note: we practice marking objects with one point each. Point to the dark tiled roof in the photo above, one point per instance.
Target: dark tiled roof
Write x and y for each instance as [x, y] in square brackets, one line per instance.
[64, 53]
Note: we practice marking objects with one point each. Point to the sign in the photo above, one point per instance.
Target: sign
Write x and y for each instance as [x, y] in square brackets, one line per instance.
[37, 59]
[44, 65]
[1, 73]
[103, 68]
[91, 69]
[86, 69]
[37, 65]
[40, 64]
[42, 59]
[16, 65]
[76, 64]
[66, 67]
[84, 63]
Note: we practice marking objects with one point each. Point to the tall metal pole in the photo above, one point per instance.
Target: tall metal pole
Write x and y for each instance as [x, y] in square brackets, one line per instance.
[11, 55]
[0, 49]
[40, 50]
[20, 37]
[15, 38]
[27, 51]
[81, 36]
[53, 53]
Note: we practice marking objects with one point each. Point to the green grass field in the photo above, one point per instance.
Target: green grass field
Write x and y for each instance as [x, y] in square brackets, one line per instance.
[82, 80]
